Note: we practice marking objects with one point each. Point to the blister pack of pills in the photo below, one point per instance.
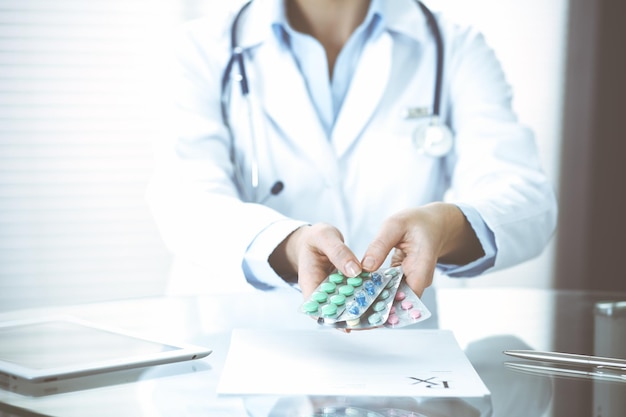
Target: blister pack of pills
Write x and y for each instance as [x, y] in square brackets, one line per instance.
[372, 299]
[407, 308]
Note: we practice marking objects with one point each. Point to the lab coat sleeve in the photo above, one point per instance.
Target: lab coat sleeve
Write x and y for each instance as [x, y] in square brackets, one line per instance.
[495, 167]
[192, 193]
[487, 241]
[255, 264]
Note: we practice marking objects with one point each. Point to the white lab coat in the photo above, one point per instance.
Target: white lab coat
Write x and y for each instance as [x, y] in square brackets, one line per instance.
[367, 170]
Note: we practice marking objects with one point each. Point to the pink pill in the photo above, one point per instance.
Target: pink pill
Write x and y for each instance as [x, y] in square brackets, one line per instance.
[392, 310]
[415, 314]
[393, 319]
[406, 305]
[400, 296]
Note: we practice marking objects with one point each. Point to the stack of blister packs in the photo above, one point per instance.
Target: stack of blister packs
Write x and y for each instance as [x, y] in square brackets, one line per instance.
[372, 299]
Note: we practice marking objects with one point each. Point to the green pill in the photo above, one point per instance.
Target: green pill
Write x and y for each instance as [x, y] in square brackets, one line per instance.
[375, 318]
[320, 297]
[336, 278]
[310, 307]
[338, 299]
[355, 281]
[346, 290]
[329, 310]
[328, 287]
[391, 272]
[380, 306]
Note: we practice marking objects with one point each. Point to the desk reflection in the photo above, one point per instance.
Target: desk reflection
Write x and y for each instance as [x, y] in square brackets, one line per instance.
[366, 407]
[106, 379]
[550, 320]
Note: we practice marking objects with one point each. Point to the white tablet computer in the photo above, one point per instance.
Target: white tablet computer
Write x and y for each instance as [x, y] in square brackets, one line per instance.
[43, 350]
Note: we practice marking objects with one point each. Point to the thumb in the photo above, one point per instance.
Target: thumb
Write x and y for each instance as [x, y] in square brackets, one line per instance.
[419, 269]
[389, 236]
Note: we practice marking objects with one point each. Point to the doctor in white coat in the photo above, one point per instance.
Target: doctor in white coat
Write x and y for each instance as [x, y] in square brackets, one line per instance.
[316, 162]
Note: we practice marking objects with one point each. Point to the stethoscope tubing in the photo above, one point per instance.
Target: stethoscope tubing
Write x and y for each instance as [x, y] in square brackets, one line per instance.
[434, 28]
[237, 58]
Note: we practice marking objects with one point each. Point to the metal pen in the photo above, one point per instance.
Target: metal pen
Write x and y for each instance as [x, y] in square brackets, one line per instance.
[569, 358]
[607, 374]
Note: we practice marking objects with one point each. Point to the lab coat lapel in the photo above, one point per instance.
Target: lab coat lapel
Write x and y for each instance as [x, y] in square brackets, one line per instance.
[286, 102]
[365, 93]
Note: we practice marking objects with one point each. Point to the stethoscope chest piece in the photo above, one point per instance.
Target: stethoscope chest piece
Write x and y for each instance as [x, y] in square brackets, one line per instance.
[433, 138]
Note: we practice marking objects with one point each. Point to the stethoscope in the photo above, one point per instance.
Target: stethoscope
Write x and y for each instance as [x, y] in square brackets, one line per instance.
[433, 138]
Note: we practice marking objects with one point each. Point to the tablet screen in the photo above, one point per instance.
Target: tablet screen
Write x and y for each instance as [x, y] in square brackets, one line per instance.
[61, 343]
[64, 346]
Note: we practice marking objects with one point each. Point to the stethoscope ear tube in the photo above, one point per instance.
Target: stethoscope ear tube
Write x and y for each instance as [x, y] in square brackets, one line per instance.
[243, 77]
[434, 28]
[236, 56]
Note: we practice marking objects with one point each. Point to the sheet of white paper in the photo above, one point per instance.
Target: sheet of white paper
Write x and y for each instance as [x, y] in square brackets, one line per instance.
[382, 362]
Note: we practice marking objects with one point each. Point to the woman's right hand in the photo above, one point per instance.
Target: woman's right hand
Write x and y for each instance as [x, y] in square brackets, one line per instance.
[312, 252]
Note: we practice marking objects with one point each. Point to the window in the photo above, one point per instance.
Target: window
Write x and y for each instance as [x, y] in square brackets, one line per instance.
[78, 87]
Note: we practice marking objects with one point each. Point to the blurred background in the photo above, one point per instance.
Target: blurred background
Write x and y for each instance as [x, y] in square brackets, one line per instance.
[79, 107]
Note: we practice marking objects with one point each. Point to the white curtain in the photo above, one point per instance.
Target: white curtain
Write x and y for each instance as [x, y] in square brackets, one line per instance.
[79, 80]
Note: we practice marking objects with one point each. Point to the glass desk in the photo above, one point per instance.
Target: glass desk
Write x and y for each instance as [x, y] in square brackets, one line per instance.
[484, 321]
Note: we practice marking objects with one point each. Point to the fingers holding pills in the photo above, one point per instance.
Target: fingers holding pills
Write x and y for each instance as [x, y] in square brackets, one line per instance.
[329, 242]
[388, 237]
[338, 291]
[414, 236]
[421, 237]
[319, 249]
